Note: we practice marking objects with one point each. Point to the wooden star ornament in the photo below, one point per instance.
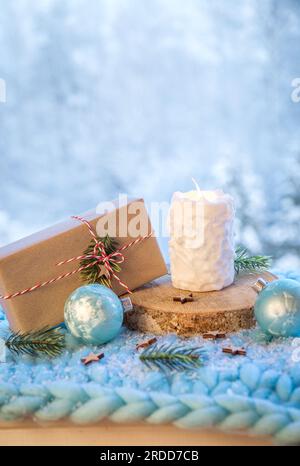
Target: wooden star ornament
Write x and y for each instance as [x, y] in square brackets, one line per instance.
[147, 343]
[184, 299]
[214, 335]
[92, 357]
[235, 351]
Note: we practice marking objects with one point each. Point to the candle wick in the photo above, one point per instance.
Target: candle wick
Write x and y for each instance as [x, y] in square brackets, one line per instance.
[197, 186]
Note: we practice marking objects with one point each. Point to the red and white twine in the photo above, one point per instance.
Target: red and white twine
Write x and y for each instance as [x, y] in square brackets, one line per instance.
[100, 256]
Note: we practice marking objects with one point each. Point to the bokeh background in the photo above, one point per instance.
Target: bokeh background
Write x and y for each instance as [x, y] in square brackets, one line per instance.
[138, 96]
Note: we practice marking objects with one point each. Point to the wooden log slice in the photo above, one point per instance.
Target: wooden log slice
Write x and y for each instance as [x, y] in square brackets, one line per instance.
[228, 310]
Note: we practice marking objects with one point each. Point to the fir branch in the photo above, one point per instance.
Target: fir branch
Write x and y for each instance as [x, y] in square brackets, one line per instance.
[45, 342]
[243, 261]
[171, 356]
[91, 275]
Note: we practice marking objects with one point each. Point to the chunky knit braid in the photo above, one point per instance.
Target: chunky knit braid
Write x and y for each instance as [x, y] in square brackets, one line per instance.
[270, 404]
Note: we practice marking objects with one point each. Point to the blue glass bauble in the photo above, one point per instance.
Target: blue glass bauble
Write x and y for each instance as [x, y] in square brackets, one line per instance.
[277, 308]
[94, 313]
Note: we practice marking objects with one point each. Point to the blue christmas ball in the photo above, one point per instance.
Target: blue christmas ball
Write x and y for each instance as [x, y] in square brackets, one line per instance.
[277, 308]
[94, 314]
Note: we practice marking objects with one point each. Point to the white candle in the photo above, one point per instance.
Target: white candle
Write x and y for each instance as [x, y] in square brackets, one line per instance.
[201, 240]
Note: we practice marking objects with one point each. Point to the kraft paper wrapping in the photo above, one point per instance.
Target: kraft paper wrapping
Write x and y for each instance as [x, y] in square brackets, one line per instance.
[32, 260]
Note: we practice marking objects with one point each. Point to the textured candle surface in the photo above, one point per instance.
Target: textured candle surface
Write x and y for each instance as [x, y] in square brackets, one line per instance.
[201, 240]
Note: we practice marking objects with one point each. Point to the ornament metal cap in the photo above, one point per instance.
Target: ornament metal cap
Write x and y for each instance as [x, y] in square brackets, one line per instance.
[259, 285]
[127, 304]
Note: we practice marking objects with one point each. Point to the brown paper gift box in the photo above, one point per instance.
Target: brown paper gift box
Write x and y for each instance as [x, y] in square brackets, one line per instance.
[33, 260]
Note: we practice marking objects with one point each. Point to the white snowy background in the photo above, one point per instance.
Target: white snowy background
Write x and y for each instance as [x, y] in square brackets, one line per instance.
[138, 96]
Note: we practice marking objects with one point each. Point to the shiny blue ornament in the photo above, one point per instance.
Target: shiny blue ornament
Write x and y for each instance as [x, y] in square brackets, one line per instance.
[277, 308]
[94, 314]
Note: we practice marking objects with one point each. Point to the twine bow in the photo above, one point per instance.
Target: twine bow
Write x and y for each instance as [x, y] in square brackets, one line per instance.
[101, 259]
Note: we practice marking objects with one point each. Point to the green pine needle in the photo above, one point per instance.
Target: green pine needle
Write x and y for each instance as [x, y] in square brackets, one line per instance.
[45, 342]
[171, 356]
[91, 274]
[244, 262]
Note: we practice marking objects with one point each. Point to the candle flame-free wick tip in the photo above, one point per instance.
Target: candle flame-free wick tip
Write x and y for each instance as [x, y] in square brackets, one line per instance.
[196, 184]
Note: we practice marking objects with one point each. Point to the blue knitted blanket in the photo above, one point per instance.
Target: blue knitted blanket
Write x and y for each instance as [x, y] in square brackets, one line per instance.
[258, 393]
